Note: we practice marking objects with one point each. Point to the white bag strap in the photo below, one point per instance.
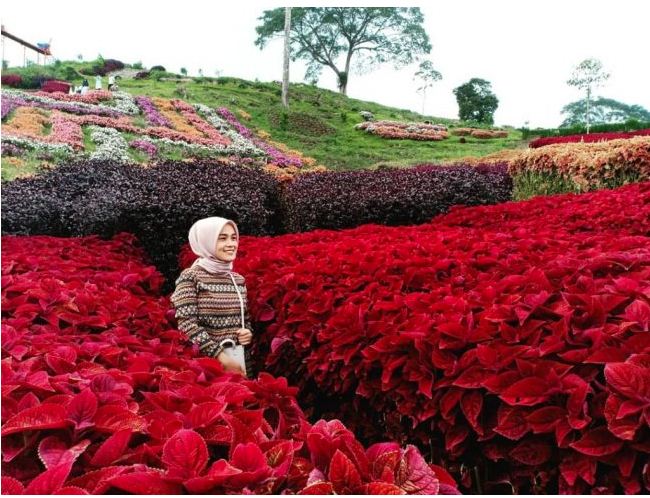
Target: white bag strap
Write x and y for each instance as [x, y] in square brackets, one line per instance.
[241, 301]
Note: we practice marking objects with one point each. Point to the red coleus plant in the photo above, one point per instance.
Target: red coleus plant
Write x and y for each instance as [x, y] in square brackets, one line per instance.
[511, 338]
[101, 394]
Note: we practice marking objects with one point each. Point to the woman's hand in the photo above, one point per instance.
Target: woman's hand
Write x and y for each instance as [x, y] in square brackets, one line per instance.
[229, 365]
[244, 337]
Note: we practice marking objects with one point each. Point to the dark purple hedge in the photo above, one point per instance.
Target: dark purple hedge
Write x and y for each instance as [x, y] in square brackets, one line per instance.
[389, 197]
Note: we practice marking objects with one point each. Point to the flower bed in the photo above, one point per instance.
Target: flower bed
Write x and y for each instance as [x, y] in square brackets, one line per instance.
[157, 203]
[149, 109]
[513, 338]
[399, 130]
[92, 97]
[589, 165]
[586, 138]
[111, 146]
[479, 133]
[101, 395]
[124, 104]
[393, 197]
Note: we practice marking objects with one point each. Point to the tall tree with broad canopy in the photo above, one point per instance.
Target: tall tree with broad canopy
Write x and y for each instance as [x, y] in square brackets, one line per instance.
[334, 36]
[603, 111]
[476, 102]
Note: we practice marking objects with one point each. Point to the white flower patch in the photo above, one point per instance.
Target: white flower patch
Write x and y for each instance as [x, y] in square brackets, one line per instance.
[240, 145]
[125, 102]
[36, 145]
[111, 145]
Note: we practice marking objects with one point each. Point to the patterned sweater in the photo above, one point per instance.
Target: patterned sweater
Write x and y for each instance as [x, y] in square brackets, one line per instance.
[208, 309]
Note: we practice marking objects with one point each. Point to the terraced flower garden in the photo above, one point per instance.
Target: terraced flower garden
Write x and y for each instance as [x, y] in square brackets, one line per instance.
[419, 332]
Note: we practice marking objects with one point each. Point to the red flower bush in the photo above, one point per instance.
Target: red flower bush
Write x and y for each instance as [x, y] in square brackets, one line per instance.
[514, 338]
[102, 395]
[591, 137]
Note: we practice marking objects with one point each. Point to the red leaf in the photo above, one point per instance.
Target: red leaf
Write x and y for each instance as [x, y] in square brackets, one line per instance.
[471, 404]
[318, 488]
[597, 442]
[280, 457]
[343, 474]
[49, 481]
[545, 419]
[185, 454]
[204, 414]
[526, 392]
[576, 465]
[219, 473]
[97, 481]
[71, 490]
[145, 483]
[112, 449]
[383, 488]
[511, 422]
[46, 416]
[415, 476]
[639, 312]
[11, 486]
[629, 380]
[53, 451]
[82, 408]
[531, 452]
[112, 418]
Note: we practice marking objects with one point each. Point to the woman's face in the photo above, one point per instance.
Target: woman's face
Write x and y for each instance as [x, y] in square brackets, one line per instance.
[227, 242]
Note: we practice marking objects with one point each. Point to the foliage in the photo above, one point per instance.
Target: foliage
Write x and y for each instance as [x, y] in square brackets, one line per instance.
[589, 166]
[372, 36]
[392, 197]
[602, 111]
[13, 80]
[157, 203]
[512, 337]
[102, 395]
[476, 101]
[586, 76]
[591, 137]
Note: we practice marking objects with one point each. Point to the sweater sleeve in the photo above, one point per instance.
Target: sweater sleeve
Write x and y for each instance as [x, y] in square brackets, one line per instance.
[185, 301]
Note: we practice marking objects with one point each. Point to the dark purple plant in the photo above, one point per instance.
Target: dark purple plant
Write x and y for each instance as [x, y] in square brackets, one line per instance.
[389, 197]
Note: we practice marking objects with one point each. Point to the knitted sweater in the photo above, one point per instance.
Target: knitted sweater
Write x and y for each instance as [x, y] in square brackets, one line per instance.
[208, 309]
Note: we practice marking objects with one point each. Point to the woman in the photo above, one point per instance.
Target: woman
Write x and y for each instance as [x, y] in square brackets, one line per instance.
[210, 299]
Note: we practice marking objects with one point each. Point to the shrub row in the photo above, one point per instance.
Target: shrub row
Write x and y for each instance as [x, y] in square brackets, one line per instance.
[390, 197]
[160, 203]
[591, 137]
[102, 395]
[629, 125]
[13, 80]
[589, 165]
[511, 338]
[157, 204]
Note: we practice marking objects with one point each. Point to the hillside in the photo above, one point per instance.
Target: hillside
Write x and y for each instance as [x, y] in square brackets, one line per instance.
[320, 122]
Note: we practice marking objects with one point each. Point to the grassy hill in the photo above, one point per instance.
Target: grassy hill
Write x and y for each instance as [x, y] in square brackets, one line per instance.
[320, 123]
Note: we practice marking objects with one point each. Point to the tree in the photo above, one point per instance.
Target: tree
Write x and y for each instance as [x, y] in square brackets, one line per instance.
[602, 111]
[287, 51]
[476, 102]
[427, 76]
[332, 36]
[184, 71]
[588, 75]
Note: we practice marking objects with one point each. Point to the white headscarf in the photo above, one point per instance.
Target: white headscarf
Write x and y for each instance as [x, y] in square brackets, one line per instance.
[203, 241]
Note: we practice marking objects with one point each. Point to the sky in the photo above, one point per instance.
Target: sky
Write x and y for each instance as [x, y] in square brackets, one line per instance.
[526, 50]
